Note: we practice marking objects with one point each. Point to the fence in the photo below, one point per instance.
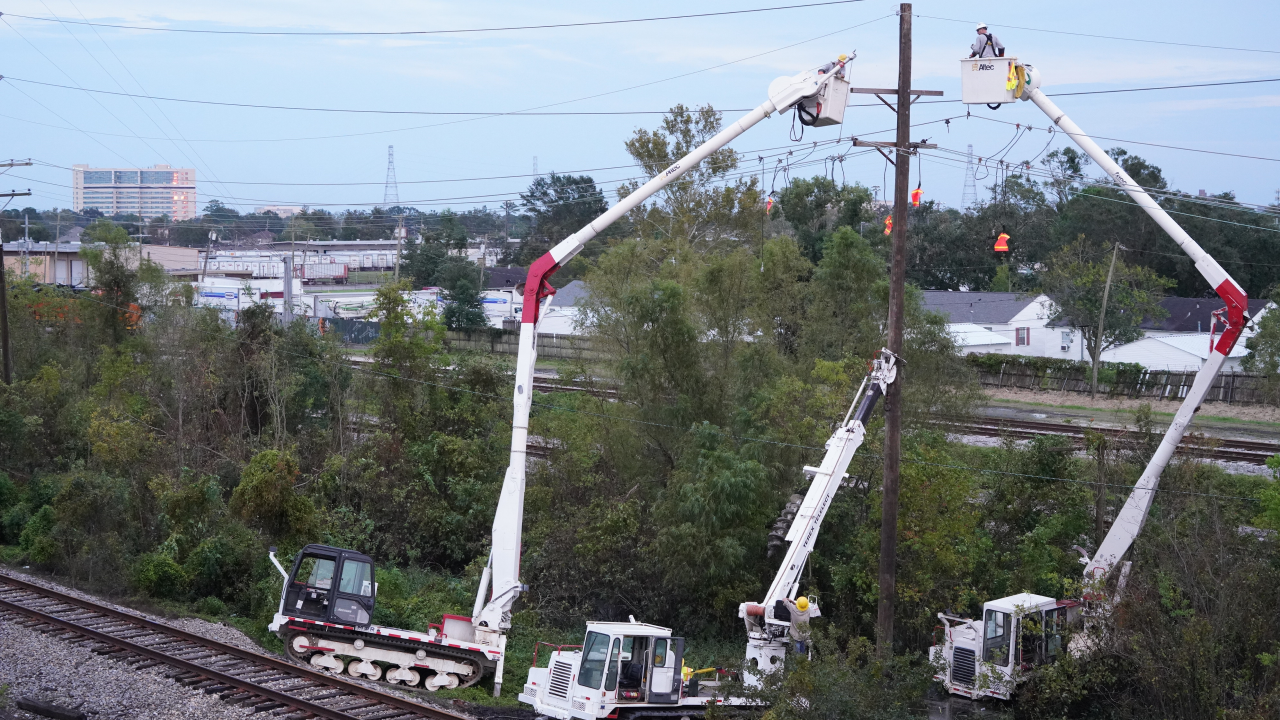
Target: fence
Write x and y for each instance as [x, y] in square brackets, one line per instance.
[507, 342]
[1230, 387]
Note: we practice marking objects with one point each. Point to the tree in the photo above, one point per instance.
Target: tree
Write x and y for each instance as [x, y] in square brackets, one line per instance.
[701, 208]
[1075, 277]
[818, 206]
[561, 205]
[465, 309]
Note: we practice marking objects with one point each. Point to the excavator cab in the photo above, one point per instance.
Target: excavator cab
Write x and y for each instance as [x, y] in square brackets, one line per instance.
[331, 585]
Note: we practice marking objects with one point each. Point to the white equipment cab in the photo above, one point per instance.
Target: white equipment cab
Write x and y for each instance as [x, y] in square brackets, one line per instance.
[625, 670]
[989, 656]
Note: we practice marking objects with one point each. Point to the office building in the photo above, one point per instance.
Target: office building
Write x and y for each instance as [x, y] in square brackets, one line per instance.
[146, 192]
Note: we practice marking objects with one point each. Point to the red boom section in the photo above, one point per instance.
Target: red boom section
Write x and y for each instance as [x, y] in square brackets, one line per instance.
[536, 287]
[1237, 303]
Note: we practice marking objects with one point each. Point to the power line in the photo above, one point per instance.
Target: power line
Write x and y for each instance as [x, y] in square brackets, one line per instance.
[1110, 37]
[535, 112]
[349, 33]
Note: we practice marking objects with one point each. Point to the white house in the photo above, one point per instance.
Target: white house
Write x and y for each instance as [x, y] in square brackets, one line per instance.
[562, 317]
[1020, 320]
[1186, 351]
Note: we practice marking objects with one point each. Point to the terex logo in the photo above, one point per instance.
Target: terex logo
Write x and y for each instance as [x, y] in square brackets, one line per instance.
[672, 170]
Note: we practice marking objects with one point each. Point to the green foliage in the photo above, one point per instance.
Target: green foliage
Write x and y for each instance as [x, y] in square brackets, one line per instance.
[267, 499]
[816, 207]
[1075, 278]
[844, 679]
[465, 310]
[36, 540]
[160, 576]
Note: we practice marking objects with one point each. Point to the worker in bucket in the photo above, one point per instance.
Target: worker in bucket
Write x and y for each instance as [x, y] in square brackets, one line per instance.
[801, 610]
[987, 45]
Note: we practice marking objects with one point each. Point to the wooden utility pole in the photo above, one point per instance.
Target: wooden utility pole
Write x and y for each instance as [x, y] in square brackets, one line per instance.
[4, 327]
[1102, 319]
[893, 397]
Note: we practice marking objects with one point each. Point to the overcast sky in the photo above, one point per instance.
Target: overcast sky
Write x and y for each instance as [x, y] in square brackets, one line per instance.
[516, 70]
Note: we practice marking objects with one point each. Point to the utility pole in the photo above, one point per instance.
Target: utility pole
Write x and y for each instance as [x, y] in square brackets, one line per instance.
[893, 397]
[4, 327]
[288, 291]
[204, 276]
[26, 244]
[1102, 318]
[400, 235]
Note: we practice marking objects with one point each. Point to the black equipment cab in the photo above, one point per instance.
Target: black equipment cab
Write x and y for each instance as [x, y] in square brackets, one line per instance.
[332, 585]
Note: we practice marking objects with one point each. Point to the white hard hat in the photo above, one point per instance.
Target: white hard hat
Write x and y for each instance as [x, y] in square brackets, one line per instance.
[981, 26]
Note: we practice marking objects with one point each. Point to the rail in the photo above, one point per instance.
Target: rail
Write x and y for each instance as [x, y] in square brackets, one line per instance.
[239, 676]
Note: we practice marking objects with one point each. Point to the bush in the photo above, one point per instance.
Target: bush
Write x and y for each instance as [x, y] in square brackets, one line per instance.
[8, 492]
[211, 606]
[13, 521]
[160, 576]
[35, 539]
[222, 566]
[266, 497]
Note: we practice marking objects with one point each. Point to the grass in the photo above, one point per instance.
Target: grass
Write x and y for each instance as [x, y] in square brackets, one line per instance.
[1156, 413]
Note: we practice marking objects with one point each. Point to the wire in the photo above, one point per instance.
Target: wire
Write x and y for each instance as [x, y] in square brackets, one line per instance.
[533, 112]
[1139, 142]
[649, 423]
[1111, 37]
[349, 33]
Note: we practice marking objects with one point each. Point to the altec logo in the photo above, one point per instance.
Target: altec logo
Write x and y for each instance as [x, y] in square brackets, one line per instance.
[672, 170]
[984, 66]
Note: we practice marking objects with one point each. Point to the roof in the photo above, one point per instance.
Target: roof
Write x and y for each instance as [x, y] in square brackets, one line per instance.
[504, 277]
[977, 307]
[969, 334]
[1021, 600]
[572, 294]
[1196, 344]
[1194, 314]
[629, 628]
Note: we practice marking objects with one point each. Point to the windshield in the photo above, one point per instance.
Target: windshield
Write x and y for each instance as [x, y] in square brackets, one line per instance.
[594, 654]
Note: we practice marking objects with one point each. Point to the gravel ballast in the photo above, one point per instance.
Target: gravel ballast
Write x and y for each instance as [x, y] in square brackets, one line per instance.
[40, 666]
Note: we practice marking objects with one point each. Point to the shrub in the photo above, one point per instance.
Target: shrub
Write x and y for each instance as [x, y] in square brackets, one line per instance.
[222, 566]
[35, 539]
[266, 497]
[211, 606]
[160, 576]
[13, 521]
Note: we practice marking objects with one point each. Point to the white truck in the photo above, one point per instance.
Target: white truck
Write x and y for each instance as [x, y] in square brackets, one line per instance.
[989, 656]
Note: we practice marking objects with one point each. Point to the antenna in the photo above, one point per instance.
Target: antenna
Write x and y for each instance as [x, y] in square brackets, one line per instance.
[970, 197]
[391, 195]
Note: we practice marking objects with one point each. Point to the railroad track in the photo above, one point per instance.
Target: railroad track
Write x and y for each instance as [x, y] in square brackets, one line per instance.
[237, 676]
[1229, 449]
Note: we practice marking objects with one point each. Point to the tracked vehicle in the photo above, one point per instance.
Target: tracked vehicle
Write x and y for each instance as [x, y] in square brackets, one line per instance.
[324, 621]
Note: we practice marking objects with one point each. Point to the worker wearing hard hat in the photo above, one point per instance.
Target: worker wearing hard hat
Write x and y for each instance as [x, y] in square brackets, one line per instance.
[801, 610]
[987, 45]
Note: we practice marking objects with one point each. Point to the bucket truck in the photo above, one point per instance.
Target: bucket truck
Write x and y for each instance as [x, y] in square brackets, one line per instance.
[770, 622]
[328, 597]
[987, 657]
[623, 669]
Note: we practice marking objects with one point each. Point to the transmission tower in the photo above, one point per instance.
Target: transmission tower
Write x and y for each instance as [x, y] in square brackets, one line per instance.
[535, 165]
[970, 197]
[391, 195]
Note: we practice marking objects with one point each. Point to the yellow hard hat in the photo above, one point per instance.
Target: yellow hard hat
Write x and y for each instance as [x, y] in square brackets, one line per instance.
[842, 58]
[802, 604]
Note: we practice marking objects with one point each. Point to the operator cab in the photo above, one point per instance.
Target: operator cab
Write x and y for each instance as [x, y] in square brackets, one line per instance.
[331, 585]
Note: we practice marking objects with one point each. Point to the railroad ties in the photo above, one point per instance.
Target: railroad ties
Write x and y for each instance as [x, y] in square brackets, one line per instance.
[240, 677]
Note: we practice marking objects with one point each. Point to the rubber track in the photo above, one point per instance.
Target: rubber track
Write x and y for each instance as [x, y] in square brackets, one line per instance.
[325, 695]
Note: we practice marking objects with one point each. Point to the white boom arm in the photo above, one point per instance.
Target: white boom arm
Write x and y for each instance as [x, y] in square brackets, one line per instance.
[503, 570]
[1129, 520]
[765, 632]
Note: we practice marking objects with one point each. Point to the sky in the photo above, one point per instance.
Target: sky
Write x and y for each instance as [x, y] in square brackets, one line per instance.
[249, 157]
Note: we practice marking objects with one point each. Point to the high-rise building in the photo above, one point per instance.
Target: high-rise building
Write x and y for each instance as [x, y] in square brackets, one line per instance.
[147, 192]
